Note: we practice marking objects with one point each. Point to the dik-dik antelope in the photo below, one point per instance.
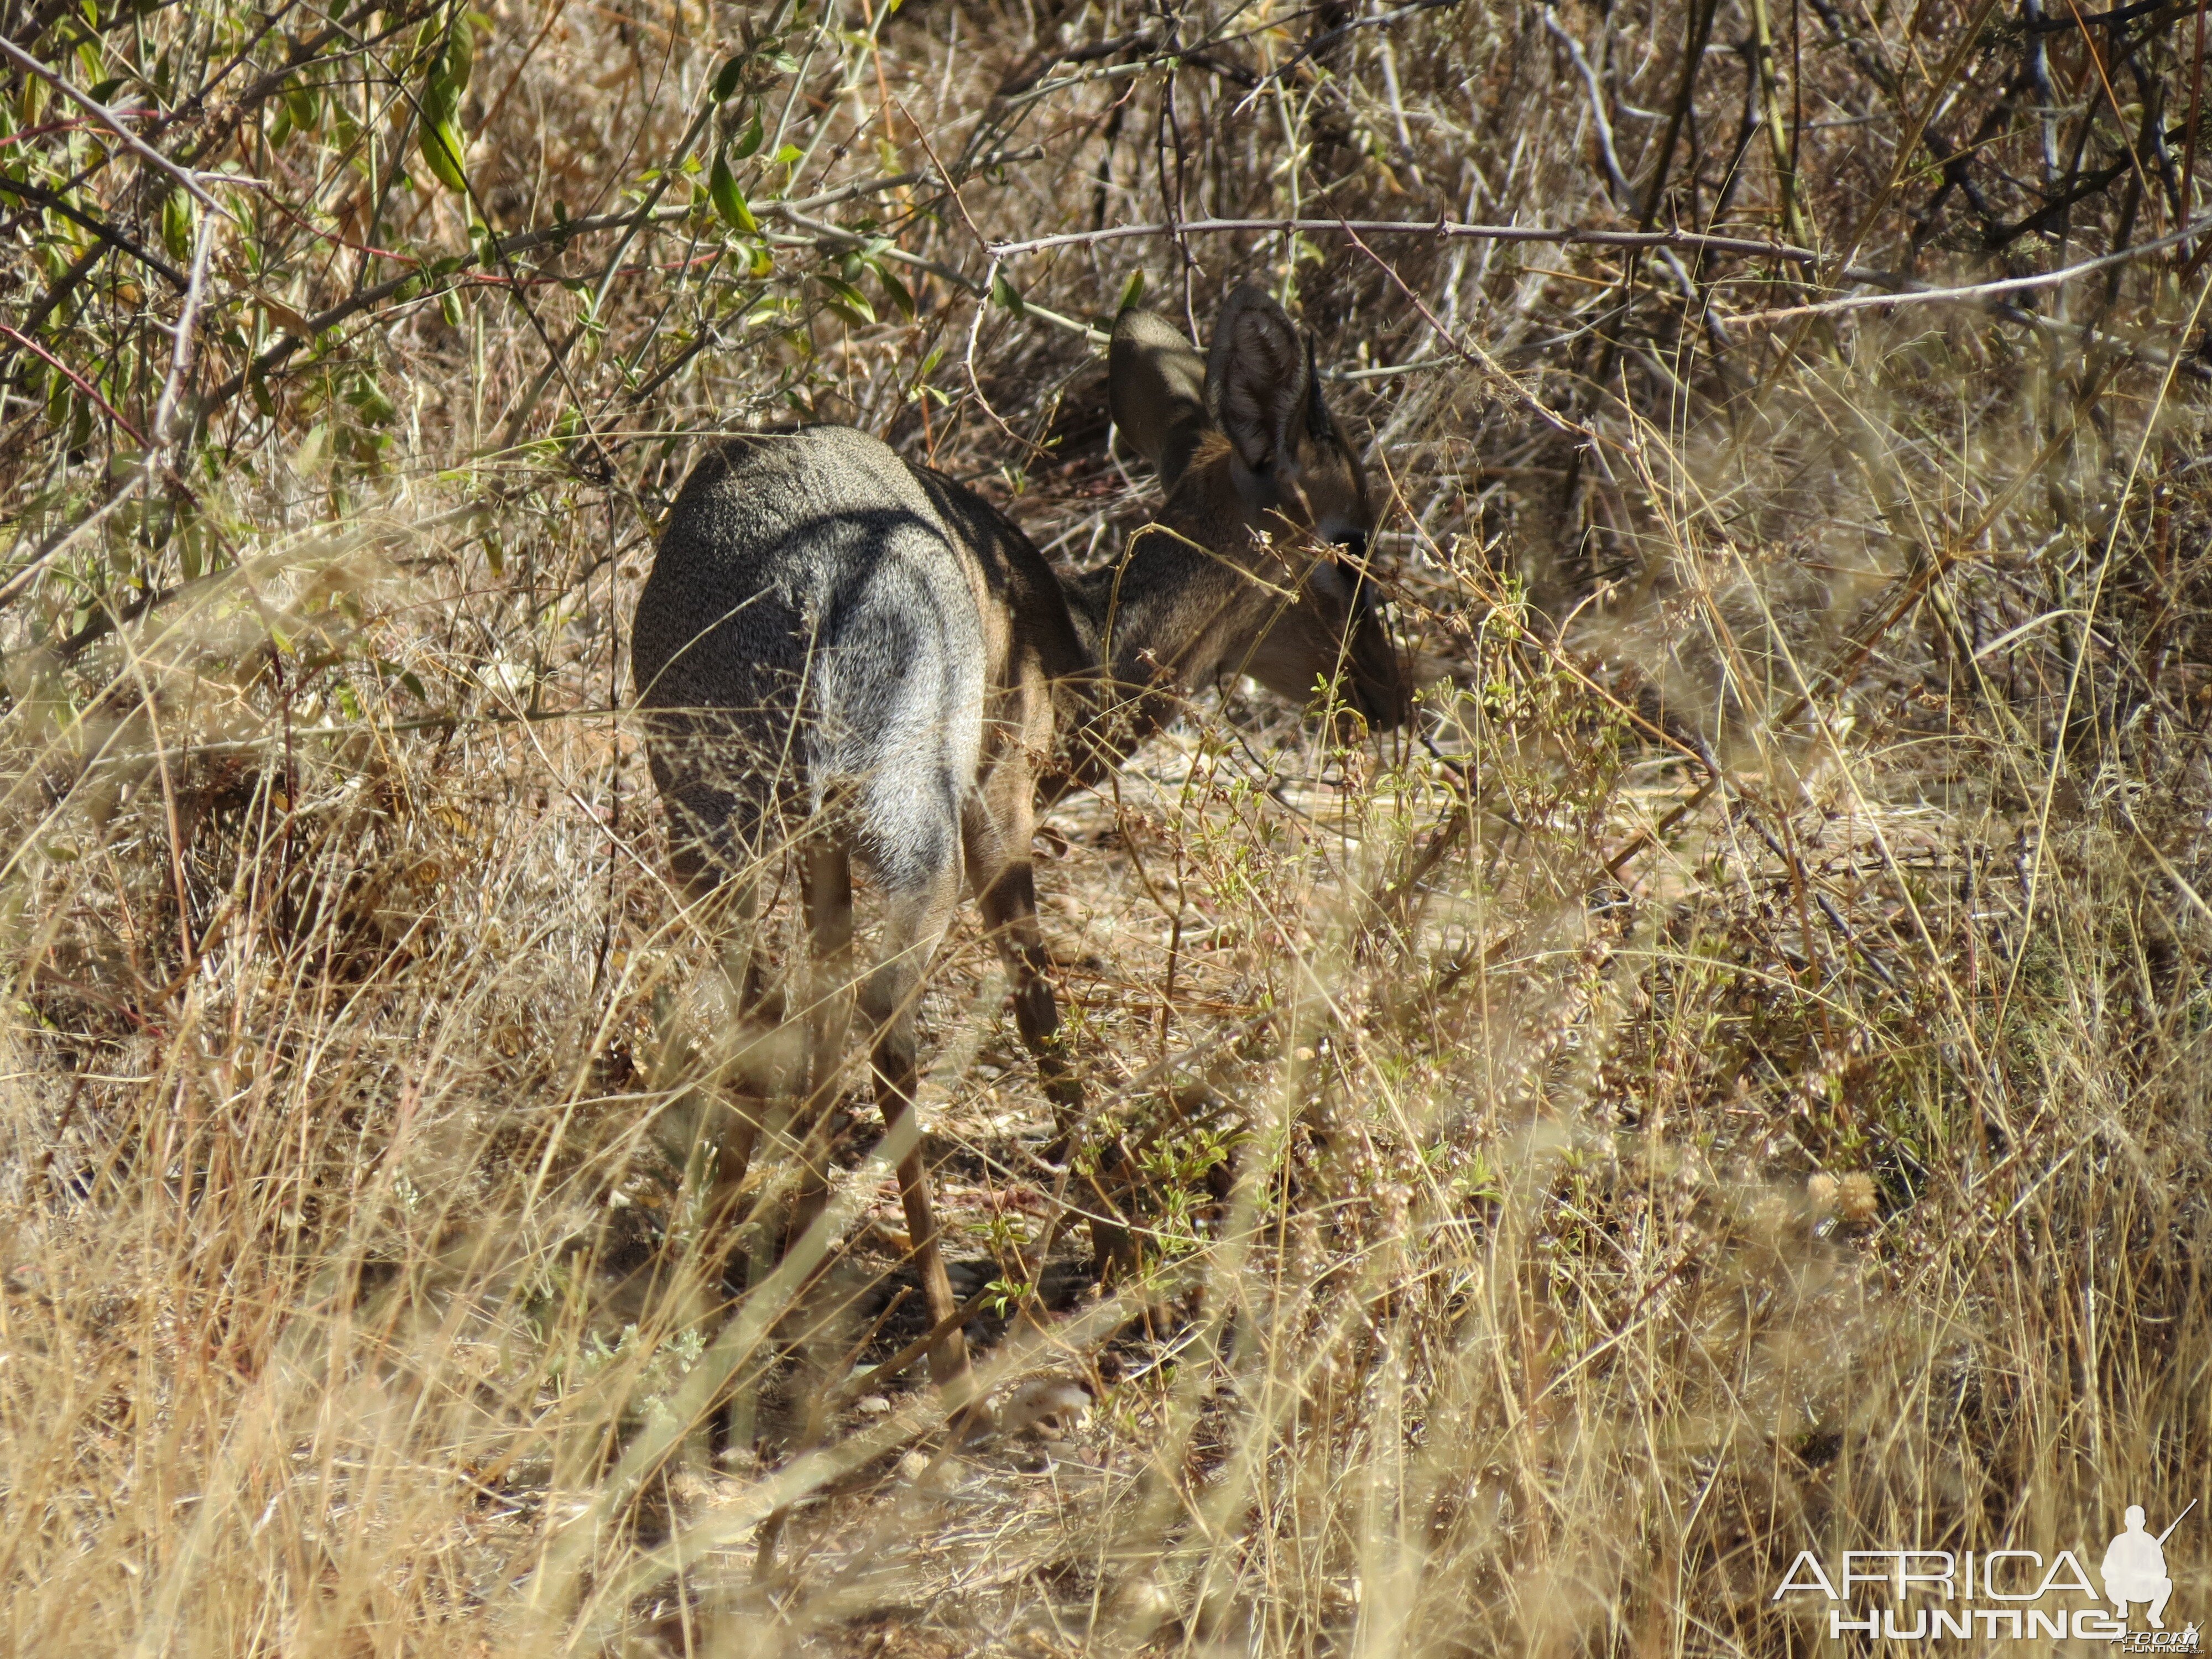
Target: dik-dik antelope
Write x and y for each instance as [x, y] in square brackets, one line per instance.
[851, 653]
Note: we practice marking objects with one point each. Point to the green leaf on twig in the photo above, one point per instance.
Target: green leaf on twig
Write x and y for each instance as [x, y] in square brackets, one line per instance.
[901, 296]
[177, 226]
[441, 138]
[730, 201]
[749, 140]
[847, 301]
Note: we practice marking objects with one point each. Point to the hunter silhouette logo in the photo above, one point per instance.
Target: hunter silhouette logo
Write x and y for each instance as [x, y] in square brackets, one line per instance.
[2003, 1595]
[2134, 1569]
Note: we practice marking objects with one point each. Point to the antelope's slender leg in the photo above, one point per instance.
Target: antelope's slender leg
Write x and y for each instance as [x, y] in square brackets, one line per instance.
[999, 868]
[745, 976]
[718, 877]
[913, 924]
[1009, 908]
[827, 897]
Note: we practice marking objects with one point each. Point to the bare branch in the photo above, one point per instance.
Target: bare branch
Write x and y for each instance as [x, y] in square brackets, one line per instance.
[115, 124]
[1975, 291]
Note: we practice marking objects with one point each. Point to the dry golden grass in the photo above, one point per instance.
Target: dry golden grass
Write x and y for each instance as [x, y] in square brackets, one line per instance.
[1732, 1083]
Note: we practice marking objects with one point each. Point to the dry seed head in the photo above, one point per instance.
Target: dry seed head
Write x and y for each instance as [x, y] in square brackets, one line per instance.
[1856, 1198]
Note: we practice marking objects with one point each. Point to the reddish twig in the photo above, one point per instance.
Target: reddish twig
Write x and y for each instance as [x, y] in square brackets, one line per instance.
[76, 379]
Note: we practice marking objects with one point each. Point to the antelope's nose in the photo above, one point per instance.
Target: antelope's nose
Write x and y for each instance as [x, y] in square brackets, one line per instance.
[1384, 702]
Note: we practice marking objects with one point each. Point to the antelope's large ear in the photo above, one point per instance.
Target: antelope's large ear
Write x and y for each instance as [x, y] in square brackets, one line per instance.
[1319, 423]
[1257, 378]
[1156, 386]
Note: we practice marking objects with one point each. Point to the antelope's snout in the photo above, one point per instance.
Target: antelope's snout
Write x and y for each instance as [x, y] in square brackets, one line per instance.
[1373, 670]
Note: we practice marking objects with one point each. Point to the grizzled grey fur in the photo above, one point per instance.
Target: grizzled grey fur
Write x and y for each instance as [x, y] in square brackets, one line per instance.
[809, 639]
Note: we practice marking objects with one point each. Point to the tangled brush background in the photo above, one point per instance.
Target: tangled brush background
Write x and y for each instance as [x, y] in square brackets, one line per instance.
[1738, 1086]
